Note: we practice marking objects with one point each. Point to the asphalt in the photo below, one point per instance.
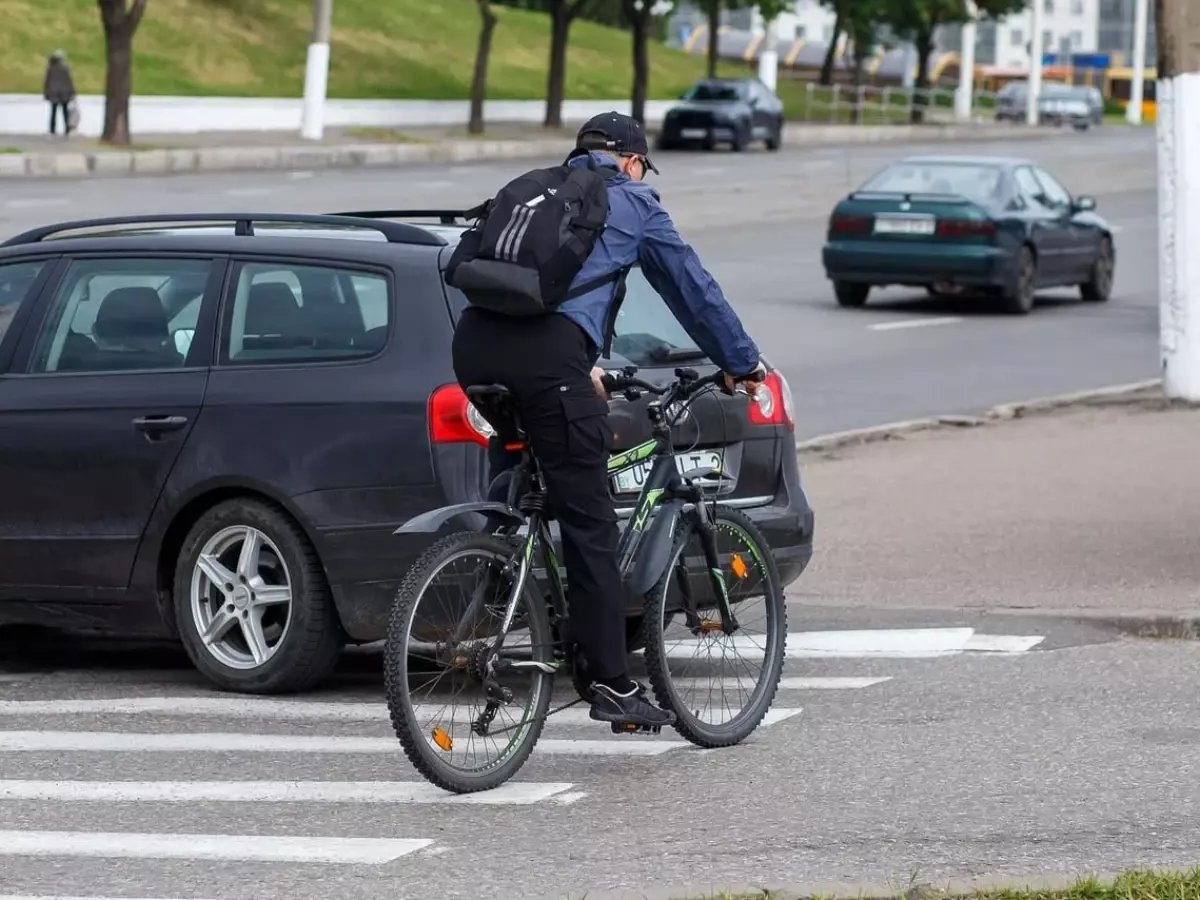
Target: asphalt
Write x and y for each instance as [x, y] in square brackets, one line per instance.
[1073, 756]
[757, 221]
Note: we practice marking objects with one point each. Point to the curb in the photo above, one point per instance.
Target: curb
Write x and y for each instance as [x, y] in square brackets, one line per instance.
[948, 889]
[1120, 393]
[125, 163]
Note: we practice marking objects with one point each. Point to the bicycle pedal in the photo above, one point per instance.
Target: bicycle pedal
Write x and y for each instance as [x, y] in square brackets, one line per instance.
[634, 728]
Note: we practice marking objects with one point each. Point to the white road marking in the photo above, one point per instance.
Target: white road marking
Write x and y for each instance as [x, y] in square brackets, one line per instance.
[914, 323]
[57, 897]
[785, 684]
[242, 847]
[247, 192]
[888, 643]
[1003, 643]
[123, 742]
[13, 677]
[512, 794]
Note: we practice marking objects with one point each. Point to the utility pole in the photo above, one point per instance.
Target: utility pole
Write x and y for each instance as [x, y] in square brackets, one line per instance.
[316, 72]
[1178, 121]
[965, 95]
[1035, 63]
[768, 57]
[1133, 112]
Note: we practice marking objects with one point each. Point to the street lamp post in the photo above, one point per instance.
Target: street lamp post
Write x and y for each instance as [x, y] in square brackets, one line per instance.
[1035, 63]
[964, 96]
[1133, 112]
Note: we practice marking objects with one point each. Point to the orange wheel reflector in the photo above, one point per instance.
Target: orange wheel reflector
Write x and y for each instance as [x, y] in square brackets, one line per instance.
[443, 740]
[738, 565]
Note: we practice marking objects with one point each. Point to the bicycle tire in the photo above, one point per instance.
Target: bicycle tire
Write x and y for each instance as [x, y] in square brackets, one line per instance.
[743, 725]
[396, 666]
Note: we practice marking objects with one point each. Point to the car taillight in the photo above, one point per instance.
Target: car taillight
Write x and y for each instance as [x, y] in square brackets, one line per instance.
[453, 419]
[841, 223]
[772, 405]
[960, 228]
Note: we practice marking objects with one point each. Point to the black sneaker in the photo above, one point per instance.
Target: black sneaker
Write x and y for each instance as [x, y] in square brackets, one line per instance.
[632, 708]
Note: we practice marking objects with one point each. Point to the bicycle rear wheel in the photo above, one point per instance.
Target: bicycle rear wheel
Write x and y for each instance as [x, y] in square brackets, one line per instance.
[680, 662]
[431, 731]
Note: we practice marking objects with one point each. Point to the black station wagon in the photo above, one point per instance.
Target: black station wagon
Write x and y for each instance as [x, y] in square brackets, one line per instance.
[211, 425]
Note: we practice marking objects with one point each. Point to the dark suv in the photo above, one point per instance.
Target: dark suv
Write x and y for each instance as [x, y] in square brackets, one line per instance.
[209, 432]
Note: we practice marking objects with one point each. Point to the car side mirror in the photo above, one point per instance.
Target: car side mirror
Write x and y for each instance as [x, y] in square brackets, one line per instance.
[1085, 204]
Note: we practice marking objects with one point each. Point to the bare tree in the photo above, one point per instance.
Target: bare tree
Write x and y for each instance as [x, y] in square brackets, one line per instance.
[562, 14]
[120, 22]
[639, 14]
[482, 52]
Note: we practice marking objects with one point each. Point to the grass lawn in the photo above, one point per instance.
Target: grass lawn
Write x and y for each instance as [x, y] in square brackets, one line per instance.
[396, 49]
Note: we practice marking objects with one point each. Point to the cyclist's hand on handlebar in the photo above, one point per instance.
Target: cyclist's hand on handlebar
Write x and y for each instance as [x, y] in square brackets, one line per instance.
[597, 375]
[750, 380]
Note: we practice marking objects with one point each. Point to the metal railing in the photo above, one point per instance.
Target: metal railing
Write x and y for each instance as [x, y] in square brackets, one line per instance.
[881, 105]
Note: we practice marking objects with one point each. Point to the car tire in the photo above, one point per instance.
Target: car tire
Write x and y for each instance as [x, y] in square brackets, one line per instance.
[1098, 288]
[741, 137]
[775, 140]
[300, 616]
[851, 294]
[1018, 297]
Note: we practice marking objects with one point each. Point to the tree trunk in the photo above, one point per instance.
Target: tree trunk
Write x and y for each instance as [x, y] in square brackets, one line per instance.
[120, 24]
[924, 45]
[482, 52]
[560, 29]
[859, 59]
[830, 52]
[714, 34]
[639, 19]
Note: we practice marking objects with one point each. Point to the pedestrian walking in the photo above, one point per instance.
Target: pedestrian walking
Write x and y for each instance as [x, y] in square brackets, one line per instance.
[59, 91]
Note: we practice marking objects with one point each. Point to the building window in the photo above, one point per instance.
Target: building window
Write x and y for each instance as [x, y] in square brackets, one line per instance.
[1077, 7]
[1017, 37]
[1047, 39]
[1048, 5]
[1076, 39]
[801, 32]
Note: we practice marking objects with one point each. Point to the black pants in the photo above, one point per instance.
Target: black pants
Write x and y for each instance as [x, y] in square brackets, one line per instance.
[54, 108]
[546, 362]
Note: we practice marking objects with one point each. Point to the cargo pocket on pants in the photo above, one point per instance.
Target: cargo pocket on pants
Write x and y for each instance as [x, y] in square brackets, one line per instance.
[589, 436]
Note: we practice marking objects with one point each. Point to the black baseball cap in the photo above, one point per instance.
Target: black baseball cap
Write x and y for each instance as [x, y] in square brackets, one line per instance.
[624, 134]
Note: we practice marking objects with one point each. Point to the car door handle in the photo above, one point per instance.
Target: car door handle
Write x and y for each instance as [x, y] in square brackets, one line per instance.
[152, 424]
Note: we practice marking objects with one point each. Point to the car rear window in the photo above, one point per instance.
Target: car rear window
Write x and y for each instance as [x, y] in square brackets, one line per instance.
[975, 181]
[646, 329]
[15, 281]
[715, 92]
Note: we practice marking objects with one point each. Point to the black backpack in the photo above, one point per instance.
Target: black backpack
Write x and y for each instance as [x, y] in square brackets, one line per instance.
[530, 241]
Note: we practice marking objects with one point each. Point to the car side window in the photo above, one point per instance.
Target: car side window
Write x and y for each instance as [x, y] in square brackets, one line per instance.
[15, 281]
[286, 312]
[1058, 197]
[110, 315]
[1031, 188]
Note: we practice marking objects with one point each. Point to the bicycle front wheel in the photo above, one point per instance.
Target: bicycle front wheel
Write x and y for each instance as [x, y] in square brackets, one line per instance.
[719, 686]
[437, 655]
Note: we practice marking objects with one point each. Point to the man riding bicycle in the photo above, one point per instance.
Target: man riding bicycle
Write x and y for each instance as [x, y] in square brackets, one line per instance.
[548, 363]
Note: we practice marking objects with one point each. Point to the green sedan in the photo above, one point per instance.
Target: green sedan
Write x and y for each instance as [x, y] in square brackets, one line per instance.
[990, 225]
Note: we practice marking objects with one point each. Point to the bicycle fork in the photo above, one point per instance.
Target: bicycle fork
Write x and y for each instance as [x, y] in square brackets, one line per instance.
[706, 528]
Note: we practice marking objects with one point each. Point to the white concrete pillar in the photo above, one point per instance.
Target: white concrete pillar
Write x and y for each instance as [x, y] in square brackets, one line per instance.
[1035, 62]
[316, 72]
[1133, 112]
[768, 58]
[966, 71]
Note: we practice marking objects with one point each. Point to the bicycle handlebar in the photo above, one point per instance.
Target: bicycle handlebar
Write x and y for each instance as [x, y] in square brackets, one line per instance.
[687, 383]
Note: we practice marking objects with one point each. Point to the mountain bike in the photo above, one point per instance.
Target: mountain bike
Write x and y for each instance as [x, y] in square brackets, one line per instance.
[505, 599]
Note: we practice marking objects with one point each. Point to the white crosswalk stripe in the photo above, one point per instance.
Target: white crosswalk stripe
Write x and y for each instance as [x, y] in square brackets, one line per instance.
[113, 747]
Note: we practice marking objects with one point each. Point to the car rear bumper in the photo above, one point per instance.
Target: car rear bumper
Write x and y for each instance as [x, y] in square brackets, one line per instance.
[868, 262]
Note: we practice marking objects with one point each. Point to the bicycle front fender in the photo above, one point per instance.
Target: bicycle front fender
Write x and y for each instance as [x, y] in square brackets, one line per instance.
[428, 522]
[655, 551]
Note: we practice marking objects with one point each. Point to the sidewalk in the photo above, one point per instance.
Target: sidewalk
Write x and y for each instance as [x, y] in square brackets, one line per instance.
[1090, 511]
[157, 154]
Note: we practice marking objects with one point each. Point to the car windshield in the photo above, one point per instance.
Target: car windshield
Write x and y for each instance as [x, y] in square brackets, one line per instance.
[646, 334]
[708, 90]
[975, 181]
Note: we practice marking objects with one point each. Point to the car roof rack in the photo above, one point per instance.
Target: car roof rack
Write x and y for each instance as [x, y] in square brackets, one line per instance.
[394, 232]
[445, 216]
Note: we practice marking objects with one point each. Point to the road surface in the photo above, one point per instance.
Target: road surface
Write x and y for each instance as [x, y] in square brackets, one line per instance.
[757, 220]
[999, 745]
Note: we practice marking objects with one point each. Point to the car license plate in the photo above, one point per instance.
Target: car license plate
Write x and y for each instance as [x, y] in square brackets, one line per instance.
[903, 225]
[693, 133]
[631, 480]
